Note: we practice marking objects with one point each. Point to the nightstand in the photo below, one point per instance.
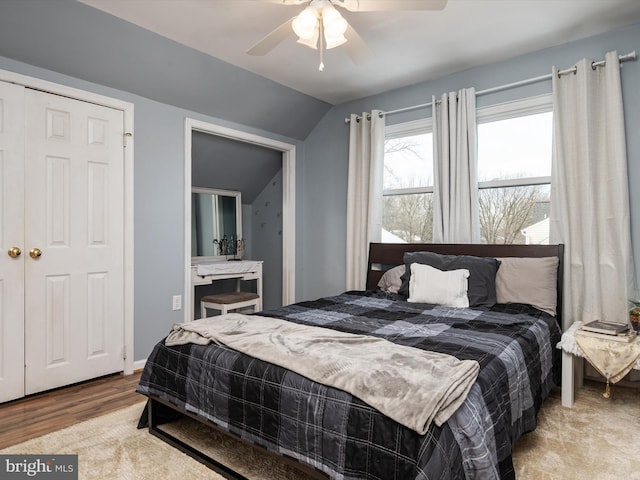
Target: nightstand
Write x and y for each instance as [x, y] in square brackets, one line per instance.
[573, 357]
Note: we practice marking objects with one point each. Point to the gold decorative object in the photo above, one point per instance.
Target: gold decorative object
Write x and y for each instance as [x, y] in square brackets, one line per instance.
[607, 391]
[634, 318]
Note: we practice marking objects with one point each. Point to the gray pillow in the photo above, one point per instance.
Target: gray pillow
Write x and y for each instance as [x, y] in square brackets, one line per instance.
[391, 279]
[528, 280]
[482, 274]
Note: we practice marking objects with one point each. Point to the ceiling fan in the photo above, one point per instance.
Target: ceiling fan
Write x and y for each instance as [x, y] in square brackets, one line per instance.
[320, 25]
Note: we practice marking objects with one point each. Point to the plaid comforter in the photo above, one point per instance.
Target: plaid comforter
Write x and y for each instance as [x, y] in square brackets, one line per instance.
[340, 435]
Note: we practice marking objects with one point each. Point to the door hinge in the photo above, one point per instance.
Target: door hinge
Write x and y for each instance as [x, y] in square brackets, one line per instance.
[127, 136]
[124, 352]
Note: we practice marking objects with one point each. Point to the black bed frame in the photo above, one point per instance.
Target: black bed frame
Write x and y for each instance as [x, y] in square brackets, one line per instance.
[155, 403]
[382, 256]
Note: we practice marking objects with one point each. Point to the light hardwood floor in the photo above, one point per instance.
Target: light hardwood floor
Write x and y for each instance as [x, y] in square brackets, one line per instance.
[38, 414]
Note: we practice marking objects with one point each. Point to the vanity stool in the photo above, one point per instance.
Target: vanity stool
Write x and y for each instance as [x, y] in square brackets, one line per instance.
[228, 301]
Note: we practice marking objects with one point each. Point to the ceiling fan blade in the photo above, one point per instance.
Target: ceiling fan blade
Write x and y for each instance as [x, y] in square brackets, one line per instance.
[284, 2]
[389, 5]
[269, 42]
[355, 47]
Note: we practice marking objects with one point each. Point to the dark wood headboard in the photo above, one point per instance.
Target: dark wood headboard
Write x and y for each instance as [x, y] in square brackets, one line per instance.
[383, 256]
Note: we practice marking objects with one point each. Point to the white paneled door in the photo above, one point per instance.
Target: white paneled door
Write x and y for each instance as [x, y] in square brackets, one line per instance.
[11, 241]
[73, 246]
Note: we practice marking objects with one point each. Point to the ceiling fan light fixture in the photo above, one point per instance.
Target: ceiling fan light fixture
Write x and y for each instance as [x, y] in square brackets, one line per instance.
[311, 42]
[305, 25]
[332, 42]
[334, 26]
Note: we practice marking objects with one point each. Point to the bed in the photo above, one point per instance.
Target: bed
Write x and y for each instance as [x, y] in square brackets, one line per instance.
[331, 433]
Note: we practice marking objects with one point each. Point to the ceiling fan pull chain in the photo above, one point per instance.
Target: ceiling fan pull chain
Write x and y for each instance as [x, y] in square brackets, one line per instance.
[321, 25]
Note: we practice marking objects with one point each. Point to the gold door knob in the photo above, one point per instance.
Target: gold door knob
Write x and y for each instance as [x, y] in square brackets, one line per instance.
[14, 252]
[35, 252]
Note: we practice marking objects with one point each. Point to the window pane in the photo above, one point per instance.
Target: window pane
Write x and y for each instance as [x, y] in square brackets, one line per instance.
[515, 148]
[515, 215]
[408, 161]
[407, 218]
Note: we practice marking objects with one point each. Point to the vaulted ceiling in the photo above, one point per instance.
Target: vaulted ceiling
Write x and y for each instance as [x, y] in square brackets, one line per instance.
[407, 46]
[191, 53]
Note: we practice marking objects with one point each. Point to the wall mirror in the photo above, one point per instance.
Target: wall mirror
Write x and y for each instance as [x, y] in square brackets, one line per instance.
[216, 224]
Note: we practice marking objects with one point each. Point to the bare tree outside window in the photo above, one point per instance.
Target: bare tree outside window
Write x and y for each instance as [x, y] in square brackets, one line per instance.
[505, 212]
[409, 217]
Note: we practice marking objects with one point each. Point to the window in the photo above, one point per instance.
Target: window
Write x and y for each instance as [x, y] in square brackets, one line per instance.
[407, 215]
[514, 175]
[514, 171]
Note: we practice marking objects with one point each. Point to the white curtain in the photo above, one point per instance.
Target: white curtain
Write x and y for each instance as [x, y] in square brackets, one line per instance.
[364, 195]
[455, 199]
[589, 192]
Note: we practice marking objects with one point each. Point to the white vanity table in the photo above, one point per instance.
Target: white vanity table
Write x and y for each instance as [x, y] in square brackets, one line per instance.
[206, 272]
[216, 235]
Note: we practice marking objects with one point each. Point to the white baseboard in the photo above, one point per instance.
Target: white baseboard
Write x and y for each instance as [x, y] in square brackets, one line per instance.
[139, 364]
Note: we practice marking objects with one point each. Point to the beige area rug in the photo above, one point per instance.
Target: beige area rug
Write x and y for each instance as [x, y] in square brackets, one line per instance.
[111, 447]
[596, 439]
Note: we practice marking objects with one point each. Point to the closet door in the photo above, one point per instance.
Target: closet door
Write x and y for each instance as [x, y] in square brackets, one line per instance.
[11, 236]
[74, 241]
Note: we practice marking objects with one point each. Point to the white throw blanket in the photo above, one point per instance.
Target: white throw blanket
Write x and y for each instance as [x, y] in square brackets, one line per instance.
[412, 386]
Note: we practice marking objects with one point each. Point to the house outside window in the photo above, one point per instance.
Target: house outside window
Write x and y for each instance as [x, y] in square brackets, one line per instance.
[514, 175]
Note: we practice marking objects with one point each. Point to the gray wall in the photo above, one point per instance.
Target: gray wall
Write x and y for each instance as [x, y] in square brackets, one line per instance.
[325, 164]
[73, 38]
[158, 201]
[266, 240]
[74, 45]
[69, 43]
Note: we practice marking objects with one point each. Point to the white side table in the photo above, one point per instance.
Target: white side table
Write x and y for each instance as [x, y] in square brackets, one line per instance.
[573, 364]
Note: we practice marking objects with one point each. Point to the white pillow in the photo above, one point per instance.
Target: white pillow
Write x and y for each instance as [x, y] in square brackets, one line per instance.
[430, 285]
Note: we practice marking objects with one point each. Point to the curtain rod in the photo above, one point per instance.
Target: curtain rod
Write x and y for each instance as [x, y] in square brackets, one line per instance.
[621, 58]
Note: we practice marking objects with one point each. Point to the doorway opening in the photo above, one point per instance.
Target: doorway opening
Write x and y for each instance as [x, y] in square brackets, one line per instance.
[288, 154]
